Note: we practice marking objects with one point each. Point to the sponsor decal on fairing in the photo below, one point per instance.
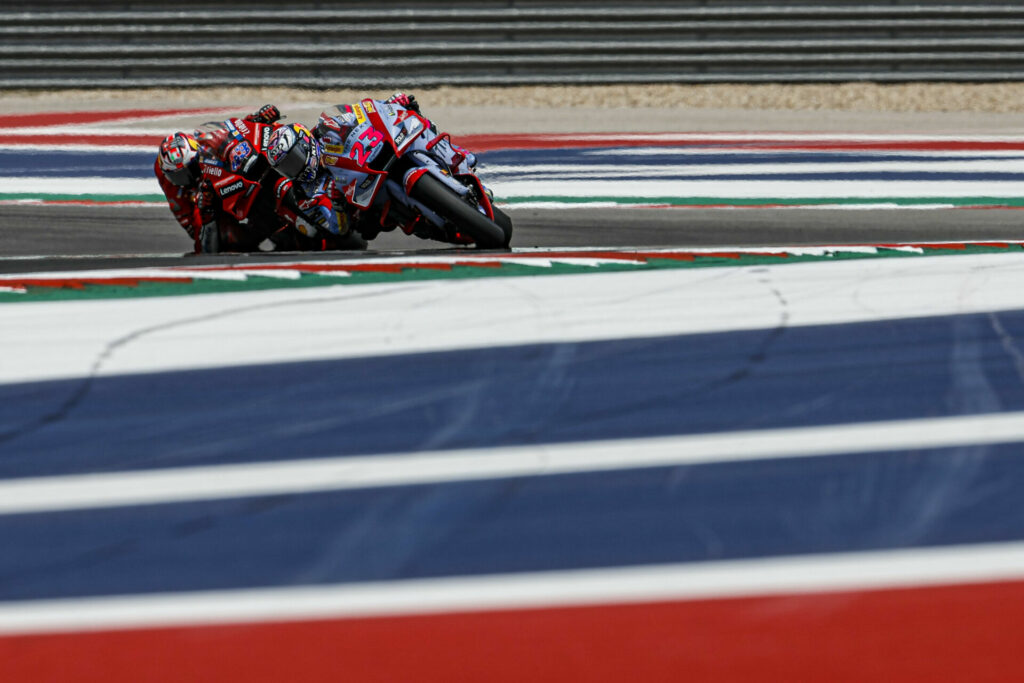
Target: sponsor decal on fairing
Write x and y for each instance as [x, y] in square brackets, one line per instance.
[230, 189]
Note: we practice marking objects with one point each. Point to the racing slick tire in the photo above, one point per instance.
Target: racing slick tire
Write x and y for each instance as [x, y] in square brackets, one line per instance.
[502, 219]
[436, 196]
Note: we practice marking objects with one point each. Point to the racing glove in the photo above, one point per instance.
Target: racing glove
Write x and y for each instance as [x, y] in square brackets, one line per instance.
[207, 236]
[205, 201]
[268, 113]
[406, 100]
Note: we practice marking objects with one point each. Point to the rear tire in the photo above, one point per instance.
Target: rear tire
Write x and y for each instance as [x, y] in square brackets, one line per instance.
[440, 199]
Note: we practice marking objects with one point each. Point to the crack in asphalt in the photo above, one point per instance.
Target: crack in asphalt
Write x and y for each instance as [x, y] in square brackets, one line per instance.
[744, 369]
[84, 387]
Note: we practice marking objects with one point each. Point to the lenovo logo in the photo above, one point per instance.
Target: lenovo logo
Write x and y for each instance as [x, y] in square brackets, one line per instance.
[230, 189]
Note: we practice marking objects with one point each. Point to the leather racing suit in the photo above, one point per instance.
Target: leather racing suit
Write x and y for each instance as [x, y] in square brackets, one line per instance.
[196, 207]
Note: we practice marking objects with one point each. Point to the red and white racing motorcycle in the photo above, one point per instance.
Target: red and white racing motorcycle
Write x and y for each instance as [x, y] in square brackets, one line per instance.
[389, 163]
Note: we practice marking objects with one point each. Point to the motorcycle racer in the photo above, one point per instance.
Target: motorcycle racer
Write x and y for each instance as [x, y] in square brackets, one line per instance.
[332, 129]
[299, 154]
[296, 155]
[177, 171]
[459, 159]
[186, 167]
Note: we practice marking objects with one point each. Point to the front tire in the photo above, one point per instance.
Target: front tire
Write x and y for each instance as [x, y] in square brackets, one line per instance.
[440, 199]
[502, 219]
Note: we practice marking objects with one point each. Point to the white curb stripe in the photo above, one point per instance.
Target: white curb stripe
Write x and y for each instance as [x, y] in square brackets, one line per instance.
[150, 487]
[620, 585]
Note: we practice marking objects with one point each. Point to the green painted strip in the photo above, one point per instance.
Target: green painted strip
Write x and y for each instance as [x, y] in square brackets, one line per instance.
[256, 282]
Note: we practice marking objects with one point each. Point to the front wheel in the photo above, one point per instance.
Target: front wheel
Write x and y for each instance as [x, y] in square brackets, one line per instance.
[440, 199]
[502, 219]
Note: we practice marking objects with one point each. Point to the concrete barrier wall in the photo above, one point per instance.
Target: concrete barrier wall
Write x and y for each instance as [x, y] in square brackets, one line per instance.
[349, 44]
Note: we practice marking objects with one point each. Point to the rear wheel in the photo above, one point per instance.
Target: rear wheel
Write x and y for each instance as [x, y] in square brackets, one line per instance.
[439, 198]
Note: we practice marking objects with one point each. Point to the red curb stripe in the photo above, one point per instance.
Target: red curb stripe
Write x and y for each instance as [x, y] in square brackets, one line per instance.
[80, 283]
[64, 140]
[332, 268]
[487, 142]
[965, 632]
[958, 247]
[397, 267]
[85, 117]
[480, 264]
[593, 254]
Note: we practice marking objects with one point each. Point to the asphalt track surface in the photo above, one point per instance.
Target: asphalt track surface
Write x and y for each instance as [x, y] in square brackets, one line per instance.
[35, 238]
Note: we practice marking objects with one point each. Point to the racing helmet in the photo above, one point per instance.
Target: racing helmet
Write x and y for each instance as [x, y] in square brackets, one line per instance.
[179, 159]
[336, 125]
[294, 152]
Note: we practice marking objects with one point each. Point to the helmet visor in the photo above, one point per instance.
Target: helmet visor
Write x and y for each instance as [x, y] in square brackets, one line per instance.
[182, 177]
[294, 161]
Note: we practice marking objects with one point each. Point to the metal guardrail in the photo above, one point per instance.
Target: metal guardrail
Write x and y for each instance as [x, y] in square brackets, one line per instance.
[328, 45]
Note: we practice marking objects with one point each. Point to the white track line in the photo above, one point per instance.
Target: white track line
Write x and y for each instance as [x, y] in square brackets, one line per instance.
[682, 169]
[507, 189]
[150, 487]
[620, 585]
[86, 186]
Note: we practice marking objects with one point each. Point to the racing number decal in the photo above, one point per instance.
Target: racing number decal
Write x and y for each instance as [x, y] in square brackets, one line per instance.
[360, 153]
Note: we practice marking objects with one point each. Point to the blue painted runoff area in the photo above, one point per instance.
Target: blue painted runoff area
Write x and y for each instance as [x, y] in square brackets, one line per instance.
[696, 513]
[516, 395]
[541, 393]
[48, 163]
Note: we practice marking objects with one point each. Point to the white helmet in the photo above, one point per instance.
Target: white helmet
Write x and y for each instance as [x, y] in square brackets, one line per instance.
[179, 159]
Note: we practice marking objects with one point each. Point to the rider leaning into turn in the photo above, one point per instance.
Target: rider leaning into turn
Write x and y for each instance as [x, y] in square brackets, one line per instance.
[184, 167]
[298, 153]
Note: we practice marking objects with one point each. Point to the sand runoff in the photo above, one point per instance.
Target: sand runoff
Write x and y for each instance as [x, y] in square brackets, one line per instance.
[964, 108]
[903, 97]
